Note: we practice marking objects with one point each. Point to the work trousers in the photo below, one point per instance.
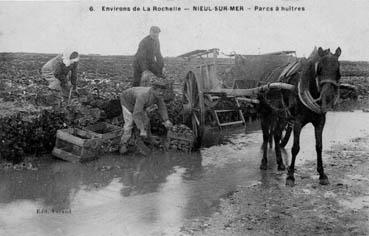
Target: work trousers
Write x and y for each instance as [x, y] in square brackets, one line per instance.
[55, 84]
[128, 125]
[155, 68]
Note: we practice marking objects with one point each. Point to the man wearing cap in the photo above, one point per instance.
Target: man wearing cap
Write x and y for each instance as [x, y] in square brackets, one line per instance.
[59, 70]
[148, 56]
[134, 103]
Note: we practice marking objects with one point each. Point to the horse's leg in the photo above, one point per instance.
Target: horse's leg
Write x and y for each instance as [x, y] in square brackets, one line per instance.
[265, 125]
[318, 127]
[290, 181]
[277, 148]
[271, 135]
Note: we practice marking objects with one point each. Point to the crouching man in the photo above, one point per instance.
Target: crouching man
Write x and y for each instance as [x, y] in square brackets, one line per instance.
[134, 102]
[61, 71]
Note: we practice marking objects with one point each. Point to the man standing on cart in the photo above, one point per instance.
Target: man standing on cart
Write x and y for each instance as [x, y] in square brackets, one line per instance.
[148, 57]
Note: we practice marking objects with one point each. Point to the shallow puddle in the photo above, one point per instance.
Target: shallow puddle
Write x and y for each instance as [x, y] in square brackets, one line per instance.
[154, 195]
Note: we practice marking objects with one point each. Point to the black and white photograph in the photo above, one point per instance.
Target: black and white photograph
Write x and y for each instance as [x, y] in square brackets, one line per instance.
[184, 117]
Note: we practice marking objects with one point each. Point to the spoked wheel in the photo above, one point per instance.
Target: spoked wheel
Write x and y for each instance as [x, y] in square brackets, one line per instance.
[193, 106]
[286, 134]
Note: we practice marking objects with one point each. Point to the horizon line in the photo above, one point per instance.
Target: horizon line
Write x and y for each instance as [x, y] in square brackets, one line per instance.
[132, 55]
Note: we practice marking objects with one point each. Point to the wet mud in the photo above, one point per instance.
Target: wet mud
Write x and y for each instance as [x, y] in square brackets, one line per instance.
[269, 207]
[218, 190]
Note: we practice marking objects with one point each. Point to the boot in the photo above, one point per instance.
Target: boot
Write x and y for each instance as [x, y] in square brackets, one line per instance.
[123, 149]
[142, 148]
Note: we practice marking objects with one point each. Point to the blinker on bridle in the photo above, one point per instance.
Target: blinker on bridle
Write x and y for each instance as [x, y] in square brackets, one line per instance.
[324, 81]
[308, 100]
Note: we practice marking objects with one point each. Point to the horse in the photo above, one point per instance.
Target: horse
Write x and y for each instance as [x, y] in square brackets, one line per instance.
[316, 91]
[272, 119]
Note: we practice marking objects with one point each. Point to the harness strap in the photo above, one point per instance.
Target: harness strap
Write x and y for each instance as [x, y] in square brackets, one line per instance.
[329, 81]
[305, 95]
[284, 109]
[306, 99]
[316, 76]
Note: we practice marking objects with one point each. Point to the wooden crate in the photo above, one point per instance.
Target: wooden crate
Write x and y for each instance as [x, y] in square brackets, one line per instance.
[109, 134]
[76, 145]
[104, 130]
[185, 142]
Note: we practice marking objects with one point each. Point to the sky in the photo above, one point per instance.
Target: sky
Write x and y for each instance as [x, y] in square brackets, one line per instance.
[51, 27]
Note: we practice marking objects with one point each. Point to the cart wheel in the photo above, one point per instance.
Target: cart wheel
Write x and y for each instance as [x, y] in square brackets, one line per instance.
[286, 134]
[193, 106]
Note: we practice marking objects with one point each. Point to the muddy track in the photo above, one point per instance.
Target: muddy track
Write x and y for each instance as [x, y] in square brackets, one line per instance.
[268, 207]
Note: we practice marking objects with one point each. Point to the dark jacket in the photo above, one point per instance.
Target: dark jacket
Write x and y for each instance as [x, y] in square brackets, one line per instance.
[60, 70]
[148, 55]
[137, 99]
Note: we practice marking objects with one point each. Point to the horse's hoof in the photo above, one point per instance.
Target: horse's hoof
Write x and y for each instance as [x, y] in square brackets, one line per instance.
[263, 167]
[281, 167]
[324, 181]
[290, 181]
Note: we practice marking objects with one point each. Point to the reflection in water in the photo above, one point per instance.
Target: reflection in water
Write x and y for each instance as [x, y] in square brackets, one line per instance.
[137, 196]
[88, 197]
[148, 173]
[173, 193]
[19, 211]
[152, 195]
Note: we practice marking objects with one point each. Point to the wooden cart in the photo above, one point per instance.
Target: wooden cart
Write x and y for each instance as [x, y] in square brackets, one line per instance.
[202, 87]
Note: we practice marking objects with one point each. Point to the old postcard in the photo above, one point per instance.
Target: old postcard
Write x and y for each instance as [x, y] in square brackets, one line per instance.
[184, 117]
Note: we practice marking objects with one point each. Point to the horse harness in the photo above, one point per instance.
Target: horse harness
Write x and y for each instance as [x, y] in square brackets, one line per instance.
[304, 93]
[303, 89]
[320, 83]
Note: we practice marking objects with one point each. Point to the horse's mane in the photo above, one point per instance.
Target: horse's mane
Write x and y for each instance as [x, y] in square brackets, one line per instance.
[314, 56]
[308, 63]
[308, 72]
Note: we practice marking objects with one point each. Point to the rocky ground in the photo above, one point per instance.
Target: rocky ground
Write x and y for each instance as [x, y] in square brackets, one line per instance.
[269, 207]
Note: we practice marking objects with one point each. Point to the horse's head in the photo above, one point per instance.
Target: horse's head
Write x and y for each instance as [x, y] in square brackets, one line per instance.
[328, 75]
